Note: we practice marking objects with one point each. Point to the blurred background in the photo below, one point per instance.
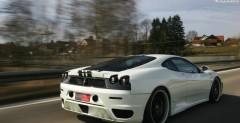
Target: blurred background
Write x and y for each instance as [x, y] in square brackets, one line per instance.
[63, 34]
[85, 32]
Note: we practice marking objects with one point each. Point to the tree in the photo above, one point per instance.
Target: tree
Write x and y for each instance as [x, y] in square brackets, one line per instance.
[26, 21]
[191, 35]
[167, 25]
[138, 47]
[178, 29]
[167, 36]
[170, 29]
[104, 18]
[69, 36]
[20, 26]
[177, 33]
[145, 26]
[154, 37]
[114, 24]
[163, 35]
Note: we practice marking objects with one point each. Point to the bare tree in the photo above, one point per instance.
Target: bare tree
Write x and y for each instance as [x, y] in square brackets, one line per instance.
[114, 17]
[27, 21]
[19, 23]
[145, 26]
[191, 35]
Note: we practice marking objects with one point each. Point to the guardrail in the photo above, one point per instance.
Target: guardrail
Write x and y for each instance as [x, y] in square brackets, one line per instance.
[9, 77]
[11, 93]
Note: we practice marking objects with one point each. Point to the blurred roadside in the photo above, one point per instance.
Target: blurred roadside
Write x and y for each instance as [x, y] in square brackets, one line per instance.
[28, 90]
[218, 66]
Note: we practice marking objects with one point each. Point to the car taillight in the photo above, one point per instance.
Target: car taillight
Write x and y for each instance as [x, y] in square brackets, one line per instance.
[113, 79]
[124, 80]
[119, 82]
[64, 76]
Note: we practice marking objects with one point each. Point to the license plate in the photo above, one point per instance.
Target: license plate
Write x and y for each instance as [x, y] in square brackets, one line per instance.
[83, 97]
[86, 97]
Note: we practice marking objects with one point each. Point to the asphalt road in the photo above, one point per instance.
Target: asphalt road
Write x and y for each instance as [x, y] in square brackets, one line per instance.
[49, 110]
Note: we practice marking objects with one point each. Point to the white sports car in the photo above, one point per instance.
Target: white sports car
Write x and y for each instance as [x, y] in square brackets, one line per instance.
[138, 88]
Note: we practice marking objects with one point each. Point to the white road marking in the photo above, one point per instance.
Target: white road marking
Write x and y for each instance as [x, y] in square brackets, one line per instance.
[58, 98]
[32, 103]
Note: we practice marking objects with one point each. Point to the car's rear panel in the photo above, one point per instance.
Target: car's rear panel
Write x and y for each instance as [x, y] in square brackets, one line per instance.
[111, 105]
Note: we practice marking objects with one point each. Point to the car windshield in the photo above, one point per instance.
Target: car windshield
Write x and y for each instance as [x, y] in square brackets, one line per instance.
[122, 63]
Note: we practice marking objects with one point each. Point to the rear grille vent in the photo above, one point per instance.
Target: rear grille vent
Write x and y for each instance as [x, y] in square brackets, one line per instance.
[89, 82]
[76, 81]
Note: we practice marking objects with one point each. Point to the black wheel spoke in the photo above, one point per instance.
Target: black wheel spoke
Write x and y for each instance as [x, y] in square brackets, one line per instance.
[158, 107]
[215, 91]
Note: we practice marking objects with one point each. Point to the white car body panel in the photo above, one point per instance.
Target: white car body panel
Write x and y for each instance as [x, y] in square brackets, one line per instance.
[185, 90]
[130, 102]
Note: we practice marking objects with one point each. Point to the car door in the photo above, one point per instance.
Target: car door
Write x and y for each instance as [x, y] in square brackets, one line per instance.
[177, 85]
[197, 82]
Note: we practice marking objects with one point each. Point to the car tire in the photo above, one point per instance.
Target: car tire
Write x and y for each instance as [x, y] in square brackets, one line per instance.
[157, 108]
[216, 91]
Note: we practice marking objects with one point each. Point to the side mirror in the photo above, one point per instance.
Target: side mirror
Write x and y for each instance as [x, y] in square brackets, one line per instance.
[204, 68]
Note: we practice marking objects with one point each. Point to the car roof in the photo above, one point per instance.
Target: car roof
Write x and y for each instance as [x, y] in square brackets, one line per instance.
[162, 56]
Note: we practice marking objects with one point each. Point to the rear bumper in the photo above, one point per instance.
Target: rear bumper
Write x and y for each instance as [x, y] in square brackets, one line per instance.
[111, 105]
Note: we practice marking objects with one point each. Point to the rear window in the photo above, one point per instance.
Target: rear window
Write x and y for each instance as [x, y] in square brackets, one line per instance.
[122, 63]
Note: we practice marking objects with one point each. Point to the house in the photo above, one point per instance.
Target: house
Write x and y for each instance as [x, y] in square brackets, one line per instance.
[198, 41]
[94, 45]
[66, 47]
[211, 40]
[82, 43]
[233, 42]
[91, 41]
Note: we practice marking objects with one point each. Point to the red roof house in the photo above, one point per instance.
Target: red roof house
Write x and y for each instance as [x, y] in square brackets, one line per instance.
[211, 40]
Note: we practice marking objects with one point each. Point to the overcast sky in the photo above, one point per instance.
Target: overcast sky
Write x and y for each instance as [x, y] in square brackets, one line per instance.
[204, 16]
